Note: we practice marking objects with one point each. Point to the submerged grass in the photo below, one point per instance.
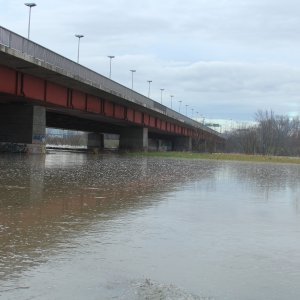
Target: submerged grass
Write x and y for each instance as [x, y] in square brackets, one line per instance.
[222, 156]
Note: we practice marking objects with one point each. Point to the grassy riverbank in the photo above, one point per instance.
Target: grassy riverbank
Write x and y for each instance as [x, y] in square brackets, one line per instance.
[223, 156]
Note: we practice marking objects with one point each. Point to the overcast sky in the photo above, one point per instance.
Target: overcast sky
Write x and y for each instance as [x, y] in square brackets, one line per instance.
[226, 59]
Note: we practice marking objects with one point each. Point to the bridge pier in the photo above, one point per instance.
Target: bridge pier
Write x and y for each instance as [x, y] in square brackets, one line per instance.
[159, 144]
[134, 139]
[22, 128]
[182, 143]
[95, 141]
[211, 146]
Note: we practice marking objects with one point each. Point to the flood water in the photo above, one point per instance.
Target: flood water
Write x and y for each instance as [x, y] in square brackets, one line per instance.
[78, 226]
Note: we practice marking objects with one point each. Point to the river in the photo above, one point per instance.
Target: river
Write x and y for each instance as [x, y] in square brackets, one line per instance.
[79, 226]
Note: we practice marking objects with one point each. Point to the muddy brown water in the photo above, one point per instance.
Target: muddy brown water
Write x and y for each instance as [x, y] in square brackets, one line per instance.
[78, 226]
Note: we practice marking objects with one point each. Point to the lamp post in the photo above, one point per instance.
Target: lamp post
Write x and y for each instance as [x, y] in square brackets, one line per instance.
[192, 112]
[30, 5]
[171, 96]
[161, 92]
[149, 81]
[79, 36]
[179, 105]
[110, 58]
[186, 106]
[132, 71]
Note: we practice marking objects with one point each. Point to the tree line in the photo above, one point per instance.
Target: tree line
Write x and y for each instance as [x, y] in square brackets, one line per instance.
[271, 135]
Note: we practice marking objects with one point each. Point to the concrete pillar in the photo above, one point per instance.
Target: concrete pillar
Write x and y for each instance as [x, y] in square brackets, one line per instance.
[182, 143]
[165, 145]
[134, 139]
[211, 146]
[95, 141]
[199, 145]
[214, 146]
[153, 144]
[22, 128]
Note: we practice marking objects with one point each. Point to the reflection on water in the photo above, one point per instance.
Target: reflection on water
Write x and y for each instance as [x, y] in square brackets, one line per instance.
[77, 226]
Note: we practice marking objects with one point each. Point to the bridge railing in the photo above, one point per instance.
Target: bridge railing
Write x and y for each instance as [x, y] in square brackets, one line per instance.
[81, 73]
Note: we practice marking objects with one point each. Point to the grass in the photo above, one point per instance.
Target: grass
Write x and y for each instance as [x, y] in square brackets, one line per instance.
[222, 156]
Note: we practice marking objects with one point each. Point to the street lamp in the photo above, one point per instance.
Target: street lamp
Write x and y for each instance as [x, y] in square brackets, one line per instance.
[186, 106]
[179, 105]
[192, 112]
[132, 71]
[149, 81]
[171, 96]
[30, 5]
[79, 36]
[161, 92]
[110, 58]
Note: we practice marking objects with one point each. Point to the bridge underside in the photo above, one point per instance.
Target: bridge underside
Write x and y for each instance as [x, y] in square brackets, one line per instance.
[23, 129]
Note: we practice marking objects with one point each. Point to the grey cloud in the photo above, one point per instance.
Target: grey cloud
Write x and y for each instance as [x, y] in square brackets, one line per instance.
[220, 57]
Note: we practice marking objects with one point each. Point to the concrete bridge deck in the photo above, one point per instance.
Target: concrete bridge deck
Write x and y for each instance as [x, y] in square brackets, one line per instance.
[61, 93]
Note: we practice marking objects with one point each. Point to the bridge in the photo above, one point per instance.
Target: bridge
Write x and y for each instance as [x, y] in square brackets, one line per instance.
[40, 88]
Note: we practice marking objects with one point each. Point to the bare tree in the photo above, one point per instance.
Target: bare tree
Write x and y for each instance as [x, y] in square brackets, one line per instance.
[273, 135]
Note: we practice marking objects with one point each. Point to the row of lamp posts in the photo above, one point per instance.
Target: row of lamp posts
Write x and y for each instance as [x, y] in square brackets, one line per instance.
[79, 36]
